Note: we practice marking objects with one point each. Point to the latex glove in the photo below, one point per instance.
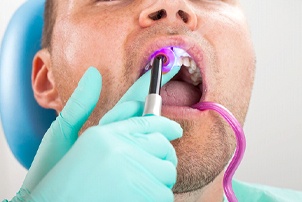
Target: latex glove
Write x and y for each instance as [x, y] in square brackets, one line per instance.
[137, 92]
[63, 132]
[130, 160]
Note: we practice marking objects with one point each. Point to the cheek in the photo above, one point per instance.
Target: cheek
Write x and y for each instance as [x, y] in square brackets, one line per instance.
[78, 45]
[234, 61]
[87, 46]
[86, 39]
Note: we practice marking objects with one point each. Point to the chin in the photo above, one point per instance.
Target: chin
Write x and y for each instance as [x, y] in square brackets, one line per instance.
[203, 152]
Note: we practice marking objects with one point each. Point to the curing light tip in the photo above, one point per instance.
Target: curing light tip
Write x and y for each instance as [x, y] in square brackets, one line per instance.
[168, 56]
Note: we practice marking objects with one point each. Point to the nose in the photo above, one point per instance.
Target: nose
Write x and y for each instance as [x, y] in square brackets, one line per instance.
[173, 11]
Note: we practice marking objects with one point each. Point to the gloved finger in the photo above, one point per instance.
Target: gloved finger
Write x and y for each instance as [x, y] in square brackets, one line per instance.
[151, 155]
[165, 171]
[146, 125]
[123, 111]
[157, 145]
[63, 132]
[139, 90]
[152, 188]
[129, 171]
[80, 105]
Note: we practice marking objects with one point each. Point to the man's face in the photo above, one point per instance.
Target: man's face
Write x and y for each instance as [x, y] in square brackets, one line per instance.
[118, 36]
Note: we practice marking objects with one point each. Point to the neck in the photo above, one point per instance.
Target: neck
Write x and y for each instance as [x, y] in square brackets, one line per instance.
[212, 192]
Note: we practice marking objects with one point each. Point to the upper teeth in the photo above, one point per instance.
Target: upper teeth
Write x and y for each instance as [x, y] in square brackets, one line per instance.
[191, 66]
[186, 61]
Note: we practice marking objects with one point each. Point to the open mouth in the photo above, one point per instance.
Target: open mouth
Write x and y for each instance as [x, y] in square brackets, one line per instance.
[186, 87]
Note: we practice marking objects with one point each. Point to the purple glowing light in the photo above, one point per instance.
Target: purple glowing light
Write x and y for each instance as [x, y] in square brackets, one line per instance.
[169, 58]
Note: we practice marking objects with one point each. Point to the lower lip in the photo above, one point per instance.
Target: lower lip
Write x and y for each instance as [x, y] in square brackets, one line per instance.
[181, 112]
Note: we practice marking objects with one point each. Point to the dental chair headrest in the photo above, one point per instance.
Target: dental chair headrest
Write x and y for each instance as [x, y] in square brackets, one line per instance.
[24, 122]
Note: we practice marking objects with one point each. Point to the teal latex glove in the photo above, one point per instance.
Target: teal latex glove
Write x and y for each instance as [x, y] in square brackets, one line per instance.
[67, 137]
[63, 132]
[130, 160]
[137, 92]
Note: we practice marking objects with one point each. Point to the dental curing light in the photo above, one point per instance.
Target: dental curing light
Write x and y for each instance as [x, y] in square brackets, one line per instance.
[169, 58]
[153, 100]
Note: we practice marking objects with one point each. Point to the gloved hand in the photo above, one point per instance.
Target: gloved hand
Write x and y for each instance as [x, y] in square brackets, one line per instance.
[130, 160]
[113, 154]
[63, 132]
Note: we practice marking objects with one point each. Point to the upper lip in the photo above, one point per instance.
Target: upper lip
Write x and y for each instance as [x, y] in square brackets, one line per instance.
[189, 45]
[173, 41]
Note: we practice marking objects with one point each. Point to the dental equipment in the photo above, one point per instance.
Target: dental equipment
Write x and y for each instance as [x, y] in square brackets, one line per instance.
[169, 58]
[153, 100]
[240, 146]
[163, 61]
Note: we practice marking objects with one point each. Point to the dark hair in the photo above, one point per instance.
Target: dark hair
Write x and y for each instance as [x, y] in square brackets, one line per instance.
[49, 22]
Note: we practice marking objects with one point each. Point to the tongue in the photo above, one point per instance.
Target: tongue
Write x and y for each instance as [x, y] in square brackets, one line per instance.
[180, 93]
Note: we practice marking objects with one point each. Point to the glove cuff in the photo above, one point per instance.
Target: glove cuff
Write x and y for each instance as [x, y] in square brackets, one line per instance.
[22, 196]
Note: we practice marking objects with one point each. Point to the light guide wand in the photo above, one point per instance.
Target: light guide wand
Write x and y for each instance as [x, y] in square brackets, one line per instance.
[153, 102]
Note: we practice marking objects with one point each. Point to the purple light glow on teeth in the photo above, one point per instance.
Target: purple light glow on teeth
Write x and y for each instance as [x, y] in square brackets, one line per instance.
[169, 58]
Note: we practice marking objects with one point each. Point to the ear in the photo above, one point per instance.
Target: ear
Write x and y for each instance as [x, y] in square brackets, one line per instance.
[43, 83]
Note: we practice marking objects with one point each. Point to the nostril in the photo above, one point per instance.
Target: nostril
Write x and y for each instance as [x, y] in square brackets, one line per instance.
[158, 15]
[184, 16]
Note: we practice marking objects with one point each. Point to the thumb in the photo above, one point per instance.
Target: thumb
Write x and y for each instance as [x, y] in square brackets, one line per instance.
[126, 107]
[139, 90]
[63, 132]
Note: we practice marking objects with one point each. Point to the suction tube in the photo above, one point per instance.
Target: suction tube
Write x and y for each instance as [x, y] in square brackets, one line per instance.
[241, 144]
